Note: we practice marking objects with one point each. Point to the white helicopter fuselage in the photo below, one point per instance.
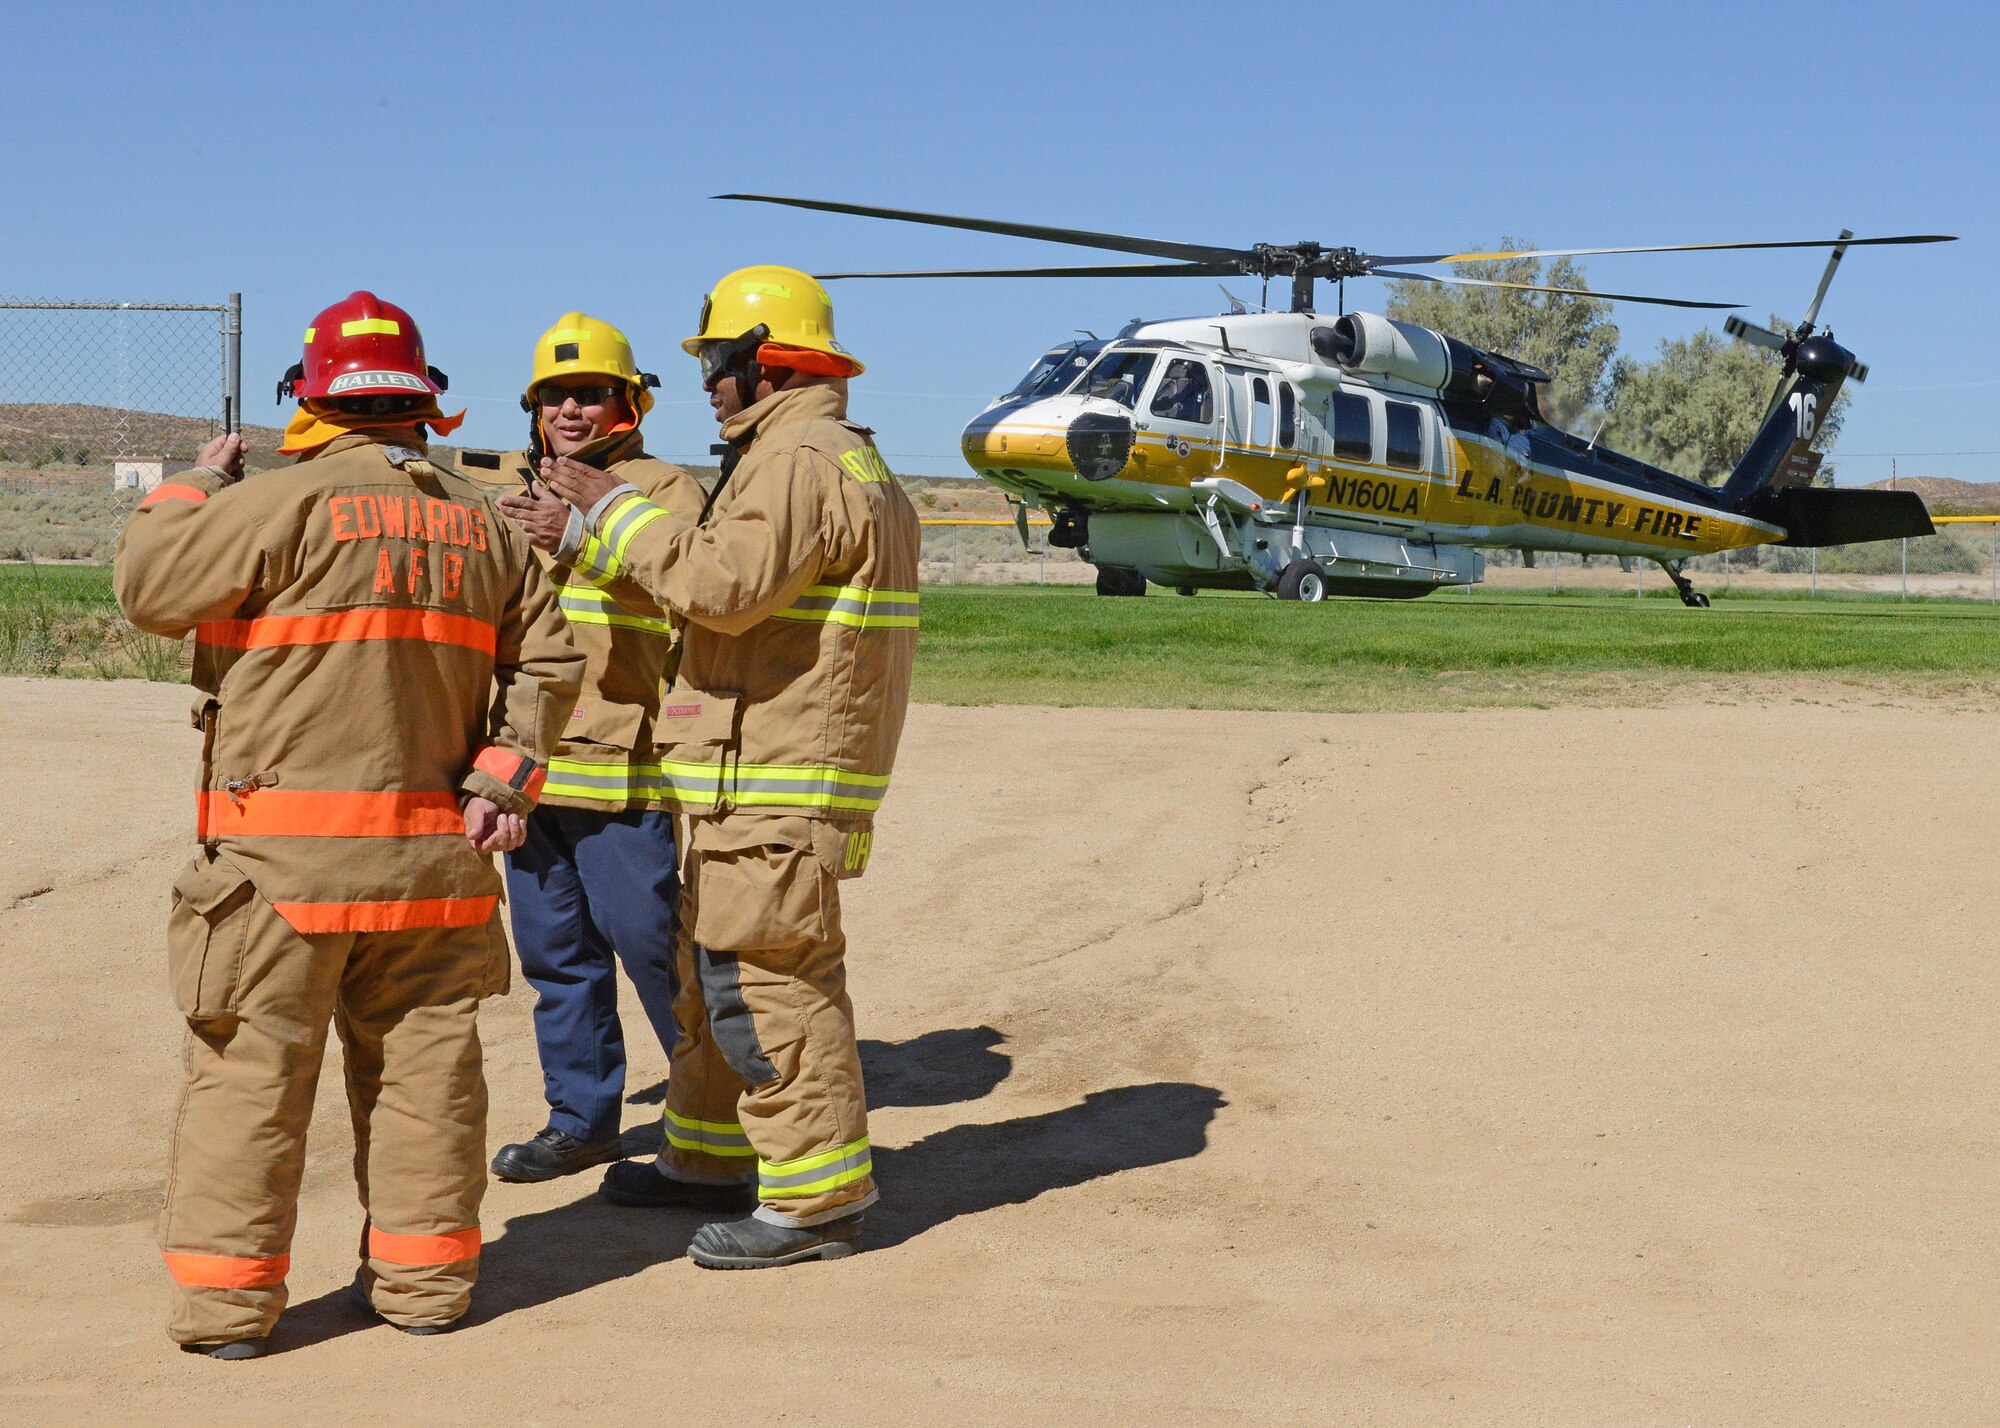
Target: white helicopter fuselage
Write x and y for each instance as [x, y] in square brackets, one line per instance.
[1216, 451]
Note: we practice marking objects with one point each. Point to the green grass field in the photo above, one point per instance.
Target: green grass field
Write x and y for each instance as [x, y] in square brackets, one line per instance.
[1057, 645]
[1062, 646]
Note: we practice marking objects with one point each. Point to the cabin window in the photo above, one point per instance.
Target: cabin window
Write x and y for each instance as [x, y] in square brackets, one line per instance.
[1057, 368]
[1406, 436]
[1118, 377]
[1353, 427]
[1288, 416]
[1184, 393]
[1260, 412]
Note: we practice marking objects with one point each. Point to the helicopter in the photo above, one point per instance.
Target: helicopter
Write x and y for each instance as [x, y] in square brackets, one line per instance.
[1306, 455]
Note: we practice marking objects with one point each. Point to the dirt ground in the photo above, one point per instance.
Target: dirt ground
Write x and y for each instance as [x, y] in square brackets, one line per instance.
[1523, 1066]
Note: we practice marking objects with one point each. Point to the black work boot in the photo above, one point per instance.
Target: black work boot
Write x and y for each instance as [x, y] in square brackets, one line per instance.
[231, 1348]
[758, 1244]
[359, 1298]
[640, 1184]
[550, 1154]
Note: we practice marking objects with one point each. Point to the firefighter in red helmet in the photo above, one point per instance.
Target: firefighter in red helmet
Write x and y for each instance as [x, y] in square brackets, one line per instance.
[381, 673]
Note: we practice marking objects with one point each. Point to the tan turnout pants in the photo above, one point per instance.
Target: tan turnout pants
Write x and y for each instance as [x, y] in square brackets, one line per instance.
[766, 1078]
[258, 998]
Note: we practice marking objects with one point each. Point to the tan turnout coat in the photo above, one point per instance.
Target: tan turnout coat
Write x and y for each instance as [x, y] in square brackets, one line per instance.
[800, 596]
[605, 760]
[372, 640]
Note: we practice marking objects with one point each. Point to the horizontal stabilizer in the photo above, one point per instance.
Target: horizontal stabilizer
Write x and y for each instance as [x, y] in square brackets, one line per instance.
[1821, 516]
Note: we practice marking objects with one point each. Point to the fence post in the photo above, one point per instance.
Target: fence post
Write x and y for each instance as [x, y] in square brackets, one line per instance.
[954, 555]
[1815, 573]
[1725, 571]
[1556, 573]
[232, 346]
[1993, 560]
[1042, 578]
[1906, 568]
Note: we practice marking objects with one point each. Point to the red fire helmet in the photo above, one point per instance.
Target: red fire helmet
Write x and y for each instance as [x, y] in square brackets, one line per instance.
[361, 347]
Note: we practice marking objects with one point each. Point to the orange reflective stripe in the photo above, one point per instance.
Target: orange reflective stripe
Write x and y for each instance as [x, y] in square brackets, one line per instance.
[313, 813]
[311, 917]
[223, 1271]
[512, 770]
[172, 492]
[453, 1248]
[435, 626]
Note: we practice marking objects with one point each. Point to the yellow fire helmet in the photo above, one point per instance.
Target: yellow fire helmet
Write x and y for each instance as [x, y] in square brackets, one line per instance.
[790, 304]
[580, 343]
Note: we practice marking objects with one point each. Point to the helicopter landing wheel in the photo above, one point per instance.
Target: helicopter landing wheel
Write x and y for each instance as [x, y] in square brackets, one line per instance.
[1690, 597]
[1117, 580]
[1303, 580]
[1183, 590]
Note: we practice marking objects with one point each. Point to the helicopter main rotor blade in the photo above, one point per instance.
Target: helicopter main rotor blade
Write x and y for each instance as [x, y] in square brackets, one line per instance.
[1076, 237]
[1540, 288]
[1662, 248]
[1109, 270]
[1826, 278]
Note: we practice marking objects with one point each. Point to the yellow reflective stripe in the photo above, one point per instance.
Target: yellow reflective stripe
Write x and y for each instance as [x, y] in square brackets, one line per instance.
[766, 289]
[690, 1123]
[626, 519]
[773, 786]
[604, 781]
[594, 561]
[722, 1138]
[865, 464]
[855, 606]
[794, 1179]
[378, 326]
[310, 331]
[584, 606]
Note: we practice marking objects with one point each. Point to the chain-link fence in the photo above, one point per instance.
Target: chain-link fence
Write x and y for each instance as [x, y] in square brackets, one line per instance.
[83, 385]
[99, 402]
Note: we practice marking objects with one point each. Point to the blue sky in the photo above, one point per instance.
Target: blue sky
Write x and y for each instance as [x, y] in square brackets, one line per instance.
[491, 166]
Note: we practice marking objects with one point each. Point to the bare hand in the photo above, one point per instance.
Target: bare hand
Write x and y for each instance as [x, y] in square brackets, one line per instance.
[582, 486]
[489, 830]
[225, 454]
[541, 515]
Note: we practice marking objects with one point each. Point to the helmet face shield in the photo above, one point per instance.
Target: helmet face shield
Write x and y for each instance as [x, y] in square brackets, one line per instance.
[721, 357]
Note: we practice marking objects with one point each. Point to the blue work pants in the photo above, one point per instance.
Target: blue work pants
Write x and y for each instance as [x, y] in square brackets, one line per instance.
[586, 883]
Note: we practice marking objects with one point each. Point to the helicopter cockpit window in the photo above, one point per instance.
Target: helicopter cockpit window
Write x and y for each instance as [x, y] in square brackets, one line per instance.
[1406, 436]
[1288, 427]
[1056, 369]
[1260, 412]
[1118, 377]
[1353, 427]
[1184, 393]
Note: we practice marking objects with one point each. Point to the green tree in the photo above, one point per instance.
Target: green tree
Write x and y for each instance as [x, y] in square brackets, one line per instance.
[1571, 338]
[1694, 409]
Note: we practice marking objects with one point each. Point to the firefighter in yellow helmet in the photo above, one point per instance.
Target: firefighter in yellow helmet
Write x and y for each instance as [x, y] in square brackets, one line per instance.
[597, 881]
[799, 586]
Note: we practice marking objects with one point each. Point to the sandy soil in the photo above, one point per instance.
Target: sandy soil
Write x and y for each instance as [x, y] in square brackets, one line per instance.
[1570, 1066]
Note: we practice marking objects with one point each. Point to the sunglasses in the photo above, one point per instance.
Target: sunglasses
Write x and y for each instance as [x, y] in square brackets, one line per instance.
[595, 395]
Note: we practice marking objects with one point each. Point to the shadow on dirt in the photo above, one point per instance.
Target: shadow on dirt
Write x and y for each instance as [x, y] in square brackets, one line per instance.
[551, 1254]
[968, 1169]
[939, 1068]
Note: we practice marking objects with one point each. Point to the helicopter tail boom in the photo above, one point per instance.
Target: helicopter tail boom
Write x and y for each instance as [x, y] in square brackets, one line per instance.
[1815, 368]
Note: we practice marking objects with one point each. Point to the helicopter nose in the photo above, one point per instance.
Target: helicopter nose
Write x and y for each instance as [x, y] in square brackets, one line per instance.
[1099, 445]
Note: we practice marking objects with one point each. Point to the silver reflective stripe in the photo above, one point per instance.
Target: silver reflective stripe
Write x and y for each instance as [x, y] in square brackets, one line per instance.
[627, 519]
[586, 606]
[821, 1173]
[855, 606]
[706, 1137]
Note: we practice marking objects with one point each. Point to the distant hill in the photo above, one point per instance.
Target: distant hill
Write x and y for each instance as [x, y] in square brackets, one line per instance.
[1946, 495]
[32, 433]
